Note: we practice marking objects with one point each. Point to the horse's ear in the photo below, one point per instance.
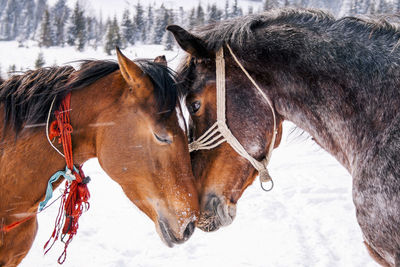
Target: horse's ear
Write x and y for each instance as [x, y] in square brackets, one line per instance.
[190, 43]
[161, 60]
[129, 70]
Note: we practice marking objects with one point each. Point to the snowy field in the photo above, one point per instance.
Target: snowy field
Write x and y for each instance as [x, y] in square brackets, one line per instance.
[307, 220]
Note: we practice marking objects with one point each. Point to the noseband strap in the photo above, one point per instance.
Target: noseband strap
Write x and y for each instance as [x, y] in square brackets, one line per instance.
[219, 131]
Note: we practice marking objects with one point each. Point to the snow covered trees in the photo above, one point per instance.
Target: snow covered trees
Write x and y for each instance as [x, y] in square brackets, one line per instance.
[60, 13]
[127, 29]
[46, 34]
[113, 36]
[77, 28]
[59, 25]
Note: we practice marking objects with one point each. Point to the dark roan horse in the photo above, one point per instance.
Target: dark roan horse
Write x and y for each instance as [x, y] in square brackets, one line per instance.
[125, 114]
[338, 79]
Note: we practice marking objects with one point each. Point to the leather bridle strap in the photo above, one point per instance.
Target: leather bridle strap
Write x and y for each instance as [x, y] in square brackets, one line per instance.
[219, 131]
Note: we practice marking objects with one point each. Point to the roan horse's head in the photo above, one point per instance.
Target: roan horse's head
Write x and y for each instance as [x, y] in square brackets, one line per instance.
[221, 173]
[143, 147]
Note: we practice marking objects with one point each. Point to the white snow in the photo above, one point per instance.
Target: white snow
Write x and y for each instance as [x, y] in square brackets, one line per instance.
[307, 220]
[24, 57]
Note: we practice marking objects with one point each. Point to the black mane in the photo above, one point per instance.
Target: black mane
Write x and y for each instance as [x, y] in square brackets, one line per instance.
[309, 41]
[26, 98]
[243, 30]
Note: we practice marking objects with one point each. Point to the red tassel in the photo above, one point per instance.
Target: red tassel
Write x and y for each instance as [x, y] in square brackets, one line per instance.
[76, 195]
[54, 131]
[74, 202]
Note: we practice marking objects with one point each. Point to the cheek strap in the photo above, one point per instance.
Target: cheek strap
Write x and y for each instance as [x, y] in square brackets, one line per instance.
[219, 131]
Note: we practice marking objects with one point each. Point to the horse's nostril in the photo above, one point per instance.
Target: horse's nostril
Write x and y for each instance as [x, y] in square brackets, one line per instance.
[188, 231]
[216, 213]
[213, 203]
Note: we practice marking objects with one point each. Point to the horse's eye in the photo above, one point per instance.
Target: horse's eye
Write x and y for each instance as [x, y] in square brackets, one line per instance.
[163, 139]
[194, 107]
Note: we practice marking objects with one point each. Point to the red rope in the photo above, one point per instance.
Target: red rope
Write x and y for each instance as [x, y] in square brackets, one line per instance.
[76, 194]
[8, 228]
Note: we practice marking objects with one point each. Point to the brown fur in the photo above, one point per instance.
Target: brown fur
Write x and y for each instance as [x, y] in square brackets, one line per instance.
[111, 122]
[376, 256]
[214, 176]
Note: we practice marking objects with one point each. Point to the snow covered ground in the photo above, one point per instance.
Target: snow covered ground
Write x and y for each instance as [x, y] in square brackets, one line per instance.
[24, 57]
[307, 220]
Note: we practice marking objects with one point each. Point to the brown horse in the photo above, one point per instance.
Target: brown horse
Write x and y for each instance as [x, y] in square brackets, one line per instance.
[219, 184]
[338, 79]
[125, 115]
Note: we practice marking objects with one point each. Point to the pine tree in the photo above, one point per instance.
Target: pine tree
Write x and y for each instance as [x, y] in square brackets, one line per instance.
[113, 36]
[168, 40]
[286, 3]
[100, 29]
[200, 15]
[192, 18]
[117, 35]
[108, 45]
[10, 20]
[161, 21]
[215, 14]
[139, 23]
[149, 26]
[240, 12]
[60, 13]
[226, 10]
[181, 17]
[270, 4]
[39, 62]
[39, 11]
[77, 28]
[45, 38]
[3, 4]
[372, 9]
[235, 9]
[127, 29]
[26, 20]
[90, 29]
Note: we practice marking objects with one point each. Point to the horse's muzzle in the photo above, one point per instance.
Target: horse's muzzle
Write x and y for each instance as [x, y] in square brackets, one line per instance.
[170, 238]
[216, 212]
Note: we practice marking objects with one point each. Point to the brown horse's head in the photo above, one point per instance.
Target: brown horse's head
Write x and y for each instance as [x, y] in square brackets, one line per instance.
[141, 144]
[221, 173]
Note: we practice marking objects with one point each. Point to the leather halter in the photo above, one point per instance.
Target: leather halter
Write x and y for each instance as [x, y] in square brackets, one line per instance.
[219, 132]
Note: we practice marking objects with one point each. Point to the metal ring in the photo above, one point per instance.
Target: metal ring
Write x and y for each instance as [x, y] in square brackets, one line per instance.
[268, 189]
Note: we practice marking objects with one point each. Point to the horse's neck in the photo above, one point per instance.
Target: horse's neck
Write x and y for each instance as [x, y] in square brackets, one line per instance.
[27, 163]
[324, 86]
[346, 128]
[25, 167]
